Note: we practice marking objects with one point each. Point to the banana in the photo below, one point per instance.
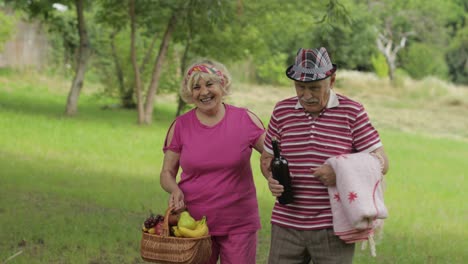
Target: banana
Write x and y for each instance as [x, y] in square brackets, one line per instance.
[201, 230]
[176, 231]
[200, 222]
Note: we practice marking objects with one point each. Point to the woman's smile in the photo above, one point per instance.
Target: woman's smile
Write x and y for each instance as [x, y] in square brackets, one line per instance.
[206, 99]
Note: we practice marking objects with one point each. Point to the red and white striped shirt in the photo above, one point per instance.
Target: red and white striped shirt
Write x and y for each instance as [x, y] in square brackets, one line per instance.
[307, 142]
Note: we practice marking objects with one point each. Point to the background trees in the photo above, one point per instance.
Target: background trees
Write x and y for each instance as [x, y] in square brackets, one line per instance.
[139, 48]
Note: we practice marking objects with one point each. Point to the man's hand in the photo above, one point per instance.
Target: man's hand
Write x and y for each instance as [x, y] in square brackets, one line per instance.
[325, 174]
[265, 160]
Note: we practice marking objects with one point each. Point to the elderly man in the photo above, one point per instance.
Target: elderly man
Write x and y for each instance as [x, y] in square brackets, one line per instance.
[311, 127]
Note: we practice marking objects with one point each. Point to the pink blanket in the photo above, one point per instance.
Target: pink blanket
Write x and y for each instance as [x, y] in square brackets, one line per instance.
[357, 200]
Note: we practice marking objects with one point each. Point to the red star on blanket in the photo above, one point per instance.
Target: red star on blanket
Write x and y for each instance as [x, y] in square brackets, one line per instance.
[352, 196]
[337, 197]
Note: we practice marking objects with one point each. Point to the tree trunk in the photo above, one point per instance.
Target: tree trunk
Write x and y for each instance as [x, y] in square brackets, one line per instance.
[388, 45]
[148, 53]
[134, 63]
[391, 67]
[180, 106]
[149, 104]
[126, 95]
[83, 55]
[183, 64]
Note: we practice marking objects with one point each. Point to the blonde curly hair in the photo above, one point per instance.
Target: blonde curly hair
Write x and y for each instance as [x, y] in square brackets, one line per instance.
[190, 80]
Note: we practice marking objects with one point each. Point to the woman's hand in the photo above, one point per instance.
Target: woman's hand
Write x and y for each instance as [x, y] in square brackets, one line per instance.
[325, 174]
[176, 200]
[275, 187]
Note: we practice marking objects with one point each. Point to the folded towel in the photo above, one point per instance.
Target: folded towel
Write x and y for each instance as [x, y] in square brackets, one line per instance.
[357, 199]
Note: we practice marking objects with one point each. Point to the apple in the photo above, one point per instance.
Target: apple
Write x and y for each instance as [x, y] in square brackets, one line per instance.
[158, 228]
[173, 219]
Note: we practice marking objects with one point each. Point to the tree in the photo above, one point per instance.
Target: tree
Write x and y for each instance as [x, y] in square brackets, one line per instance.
[204, 28]
[6, 27]
[136, 70]
[458, 57]
[44, 10]
[457, 54]
[112, 42]
[393, 31]
[149, 103]
[407, 22]
[83, 56]
[350, 41]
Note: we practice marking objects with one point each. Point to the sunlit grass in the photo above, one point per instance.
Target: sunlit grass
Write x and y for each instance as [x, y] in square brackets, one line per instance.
[76, 190]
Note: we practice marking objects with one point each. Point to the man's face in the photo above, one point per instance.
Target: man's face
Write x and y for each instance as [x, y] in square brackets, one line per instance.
[313, 96]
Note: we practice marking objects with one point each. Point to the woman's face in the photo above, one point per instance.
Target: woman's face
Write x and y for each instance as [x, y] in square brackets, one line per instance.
[207, 95]
[314, 96]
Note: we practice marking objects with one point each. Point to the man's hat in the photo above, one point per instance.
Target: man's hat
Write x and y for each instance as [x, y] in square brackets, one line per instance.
[311, 65]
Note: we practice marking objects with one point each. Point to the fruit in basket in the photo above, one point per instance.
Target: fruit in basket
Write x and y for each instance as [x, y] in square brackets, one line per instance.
[158, 228]
[176, 231]
[200, 230]
[201, 221]
[173, 219]
[151, 223]
[186, 221]
[152, 230]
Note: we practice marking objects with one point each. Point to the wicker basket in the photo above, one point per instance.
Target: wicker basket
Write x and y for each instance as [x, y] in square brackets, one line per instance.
[167, 249]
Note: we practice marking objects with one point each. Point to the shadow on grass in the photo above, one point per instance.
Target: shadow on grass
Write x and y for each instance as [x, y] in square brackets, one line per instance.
[90, 108]
[51, 208]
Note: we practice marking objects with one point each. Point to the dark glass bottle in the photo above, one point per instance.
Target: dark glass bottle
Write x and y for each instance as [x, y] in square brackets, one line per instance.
[280, 170]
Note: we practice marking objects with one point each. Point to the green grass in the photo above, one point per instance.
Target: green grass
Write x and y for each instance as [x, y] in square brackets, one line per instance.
[76, 190]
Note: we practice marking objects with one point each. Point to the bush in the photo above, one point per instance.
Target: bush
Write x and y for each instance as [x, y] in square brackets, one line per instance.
[421, 60]
[6, 28]
[380, 65]
[272, 70]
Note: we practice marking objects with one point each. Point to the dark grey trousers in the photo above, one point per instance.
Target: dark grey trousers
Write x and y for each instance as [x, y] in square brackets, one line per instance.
[290, 246]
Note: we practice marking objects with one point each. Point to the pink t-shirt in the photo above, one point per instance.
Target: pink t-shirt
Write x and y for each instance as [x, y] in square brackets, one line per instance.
[216, 177]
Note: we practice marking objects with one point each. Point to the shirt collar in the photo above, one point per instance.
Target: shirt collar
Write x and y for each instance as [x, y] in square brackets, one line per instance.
[332, 101]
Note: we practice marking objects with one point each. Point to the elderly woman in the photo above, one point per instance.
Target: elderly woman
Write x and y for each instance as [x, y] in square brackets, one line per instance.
[212, 143]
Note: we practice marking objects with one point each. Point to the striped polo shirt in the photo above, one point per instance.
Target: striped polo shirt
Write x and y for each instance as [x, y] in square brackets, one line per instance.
[307, 142]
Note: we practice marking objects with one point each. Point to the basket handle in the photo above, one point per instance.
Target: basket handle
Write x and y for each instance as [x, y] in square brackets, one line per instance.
[165, 227]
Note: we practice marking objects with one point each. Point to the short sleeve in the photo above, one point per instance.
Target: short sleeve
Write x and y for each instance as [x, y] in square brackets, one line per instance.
[253, 131]
[176, 144]
[272, 131]
[365, 136]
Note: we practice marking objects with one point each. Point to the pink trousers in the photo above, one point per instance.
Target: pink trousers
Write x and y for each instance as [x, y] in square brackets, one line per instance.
[234, 249]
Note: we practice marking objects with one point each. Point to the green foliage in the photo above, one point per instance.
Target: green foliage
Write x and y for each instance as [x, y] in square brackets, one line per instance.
[6, 28]
[63, 37]
[457, 55]
[272, 69]
[379, 65]
[104, 64]
[171, 73]
[350, 42]
[421, 60]
[232, 31]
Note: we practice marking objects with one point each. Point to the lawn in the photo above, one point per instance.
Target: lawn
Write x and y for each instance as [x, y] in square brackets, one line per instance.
[76, 190]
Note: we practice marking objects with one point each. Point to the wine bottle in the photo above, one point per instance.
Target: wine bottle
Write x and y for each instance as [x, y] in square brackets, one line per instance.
[280, 170]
